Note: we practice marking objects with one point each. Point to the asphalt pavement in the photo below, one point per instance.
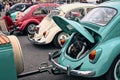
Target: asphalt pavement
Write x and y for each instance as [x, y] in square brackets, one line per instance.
[35, 55]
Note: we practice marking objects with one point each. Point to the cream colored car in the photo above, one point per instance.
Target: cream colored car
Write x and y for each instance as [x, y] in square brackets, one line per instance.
[47, 31]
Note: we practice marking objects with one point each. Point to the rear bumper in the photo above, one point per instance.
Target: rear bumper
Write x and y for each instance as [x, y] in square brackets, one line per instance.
[68, 69]
[32, 40]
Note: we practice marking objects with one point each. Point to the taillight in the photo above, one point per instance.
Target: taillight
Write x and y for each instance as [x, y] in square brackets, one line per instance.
[62, 41]
[44, 33]
[36, 29]
[92, 55]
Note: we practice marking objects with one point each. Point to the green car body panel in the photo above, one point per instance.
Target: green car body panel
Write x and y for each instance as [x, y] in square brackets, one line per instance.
[107, 47]
[7, 68]
[13, 15]
[67, 27]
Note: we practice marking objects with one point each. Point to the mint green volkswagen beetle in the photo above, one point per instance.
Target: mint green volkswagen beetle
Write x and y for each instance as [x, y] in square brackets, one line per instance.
[93, 49]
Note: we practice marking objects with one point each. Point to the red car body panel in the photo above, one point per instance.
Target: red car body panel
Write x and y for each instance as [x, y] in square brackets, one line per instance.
[30, 18]
[26, 22]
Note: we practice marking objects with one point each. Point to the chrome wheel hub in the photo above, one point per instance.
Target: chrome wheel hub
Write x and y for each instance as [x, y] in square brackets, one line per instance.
[62, 38]
[117, 71]
[31, 28]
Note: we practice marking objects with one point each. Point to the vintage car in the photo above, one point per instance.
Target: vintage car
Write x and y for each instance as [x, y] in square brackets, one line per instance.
[47, 31]
[19, 7]
[3, 26]
[33, 16]
[11, 57]
[93, 49]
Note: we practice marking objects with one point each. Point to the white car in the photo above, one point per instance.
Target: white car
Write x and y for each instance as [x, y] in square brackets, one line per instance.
[47, 31]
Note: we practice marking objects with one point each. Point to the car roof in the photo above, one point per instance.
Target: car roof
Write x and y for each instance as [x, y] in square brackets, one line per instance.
[44, 4]
[113, 4]
[67, 7]
[21, 4]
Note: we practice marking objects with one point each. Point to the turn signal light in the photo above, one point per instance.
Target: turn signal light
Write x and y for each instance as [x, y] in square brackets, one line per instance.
[92, 55]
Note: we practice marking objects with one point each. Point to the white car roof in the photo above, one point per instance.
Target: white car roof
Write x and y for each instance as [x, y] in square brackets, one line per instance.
[67, 7]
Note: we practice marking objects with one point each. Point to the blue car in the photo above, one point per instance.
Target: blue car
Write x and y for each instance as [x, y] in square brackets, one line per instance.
[19, 7]
[93, 49]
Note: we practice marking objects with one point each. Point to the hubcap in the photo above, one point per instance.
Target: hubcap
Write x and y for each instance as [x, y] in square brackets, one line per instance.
[62, 38]
[117, 71]
[31, 28]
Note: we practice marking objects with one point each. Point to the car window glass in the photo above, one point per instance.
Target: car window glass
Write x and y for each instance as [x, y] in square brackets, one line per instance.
[89, 9]
[23, 7]
[13, 6]
[40, 11]
[18, 7]
[100, 16]
[52, 8]
[75, 13]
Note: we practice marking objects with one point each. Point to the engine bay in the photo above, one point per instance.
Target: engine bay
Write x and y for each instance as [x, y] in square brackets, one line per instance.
[79, 45]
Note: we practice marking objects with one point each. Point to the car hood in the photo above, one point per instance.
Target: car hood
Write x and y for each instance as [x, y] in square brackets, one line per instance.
[70, 26]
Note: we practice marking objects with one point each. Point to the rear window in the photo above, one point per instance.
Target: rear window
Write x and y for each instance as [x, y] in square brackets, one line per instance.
[100, 15]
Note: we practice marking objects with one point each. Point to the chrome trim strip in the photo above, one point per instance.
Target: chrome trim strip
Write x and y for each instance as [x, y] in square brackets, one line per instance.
[68, 69]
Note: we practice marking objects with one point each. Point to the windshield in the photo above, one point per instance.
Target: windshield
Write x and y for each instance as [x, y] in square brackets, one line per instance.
[100, 16]
[26, 11]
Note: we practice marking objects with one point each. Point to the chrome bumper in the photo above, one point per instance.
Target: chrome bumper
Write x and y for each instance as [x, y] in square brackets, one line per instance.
[69, 71]
[30, 38]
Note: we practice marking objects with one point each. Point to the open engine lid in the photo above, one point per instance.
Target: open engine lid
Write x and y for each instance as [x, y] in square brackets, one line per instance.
[70, 26]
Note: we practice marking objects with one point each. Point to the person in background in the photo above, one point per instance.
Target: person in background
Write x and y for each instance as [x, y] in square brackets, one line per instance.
[0, 8]
[7, 6]
[3, 5]
[9, 23]
[11, 2]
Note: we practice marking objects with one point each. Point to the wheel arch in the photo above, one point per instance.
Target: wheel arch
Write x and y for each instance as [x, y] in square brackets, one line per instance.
[54, 31]
[27, 22]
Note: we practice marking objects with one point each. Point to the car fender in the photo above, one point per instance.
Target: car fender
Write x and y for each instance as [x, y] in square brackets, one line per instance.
[110, 50]
[26, 22]
[53, 31]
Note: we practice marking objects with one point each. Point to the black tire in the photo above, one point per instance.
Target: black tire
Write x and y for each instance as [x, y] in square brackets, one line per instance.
[29, 29]
[113, 72]
[57, 38]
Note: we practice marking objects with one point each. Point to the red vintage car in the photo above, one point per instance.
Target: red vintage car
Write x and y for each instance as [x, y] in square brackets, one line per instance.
[33, 16]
